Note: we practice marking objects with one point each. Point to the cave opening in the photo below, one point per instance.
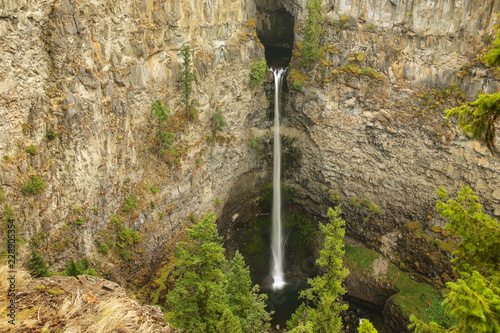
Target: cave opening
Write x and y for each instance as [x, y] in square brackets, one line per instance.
[275, 31]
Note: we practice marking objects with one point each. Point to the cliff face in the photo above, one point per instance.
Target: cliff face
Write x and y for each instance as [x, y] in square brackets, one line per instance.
[89, 71]
[374, 129]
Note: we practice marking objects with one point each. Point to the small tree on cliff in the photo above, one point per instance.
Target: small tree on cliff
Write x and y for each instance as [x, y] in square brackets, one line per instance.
[324, 314]
[186, 77]
[310, 51]
[474, 299]
[164, 138]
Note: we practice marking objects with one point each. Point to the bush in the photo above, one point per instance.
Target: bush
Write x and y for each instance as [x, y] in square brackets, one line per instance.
[298, 85]
[129, 203]
[128, 237]
[258, 73]
[80, 220]
[74, 268]
[34, 186]
[31, 149]
[154, 189]
[51, 135]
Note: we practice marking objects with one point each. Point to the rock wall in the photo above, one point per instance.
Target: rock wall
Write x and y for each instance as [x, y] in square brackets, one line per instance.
[370, 123]
[89, 71]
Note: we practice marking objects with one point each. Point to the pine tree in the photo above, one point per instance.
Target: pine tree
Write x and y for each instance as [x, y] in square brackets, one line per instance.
[73, 269]
[36, 265]
[244, 301]
[186, 77]
[310, 51]
[164, 138]
[324, 314]
[199, 298]
[212, 294]
[474, 299]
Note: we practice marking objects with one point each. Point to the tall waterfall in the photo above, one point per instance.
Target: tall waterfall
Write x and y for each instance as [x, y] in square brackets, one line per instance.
[277, 237]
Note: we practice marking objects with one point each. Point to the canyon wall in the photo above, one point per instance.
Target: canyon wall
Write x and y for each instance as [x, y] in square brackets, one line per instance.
[371, 133]
[380, 133]
[90, 71]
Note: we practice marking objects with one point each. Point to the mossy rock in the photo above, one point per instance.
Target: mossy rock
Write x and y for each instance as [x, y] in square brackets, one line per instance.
[436, 229]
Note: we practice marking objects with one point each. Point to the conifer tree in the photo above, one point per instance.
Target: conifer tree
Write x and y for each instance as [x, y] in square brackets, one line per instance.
[324, 314]
[198, 297]
[164, 138]
[212, 294]
[186, 77]
[244, 301]
[310, 51]
[474, 299]
[36, 265]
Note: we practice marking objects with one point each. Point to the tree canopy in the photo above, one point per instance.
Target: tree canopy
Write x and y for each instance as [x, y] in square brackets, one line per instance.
[474, 299]
[213, 294]
[321, 311]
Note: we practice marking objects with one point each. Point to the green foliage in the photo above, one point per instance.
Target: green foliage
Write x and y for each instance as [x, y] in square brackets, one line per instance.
[129, 203]
[34, 186]
[492, 58]
[186, 77]
[154, 189]
[477, 119]
[36, 265]
[8, 212]
[51, 135]
[255, 144]
[164, 138]
[103, 247]
[127, 236]
[218, 202]
[480, 234]
[259, 70]
[473, 301]
[80, 221]
[212, 294]
[218, 122]
[370, 208]
[366, 327]
[31, 149]
[310, 51]
[116, 220]
[326, 289]
[298, 85]
[242, 297]
[303, 229]
[83, 267]
[2, 195]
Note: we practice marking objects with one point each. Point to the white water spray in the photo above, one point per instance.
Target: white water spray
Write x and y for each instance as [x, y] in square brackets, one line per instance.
[277, 241]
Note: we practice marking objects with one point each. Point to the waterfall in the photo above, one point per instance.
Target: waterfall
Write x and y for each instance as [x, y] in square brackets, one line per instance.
[277, 242]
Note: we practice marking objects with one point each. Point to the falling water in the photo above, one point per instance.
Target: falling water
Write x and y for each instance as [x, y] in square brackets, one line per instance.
[277, 242]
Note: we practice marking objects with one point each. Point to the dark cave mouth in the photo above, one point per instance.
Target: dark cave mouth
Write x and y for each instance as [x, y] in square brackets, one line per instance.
[277, 56]
[275, 29]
